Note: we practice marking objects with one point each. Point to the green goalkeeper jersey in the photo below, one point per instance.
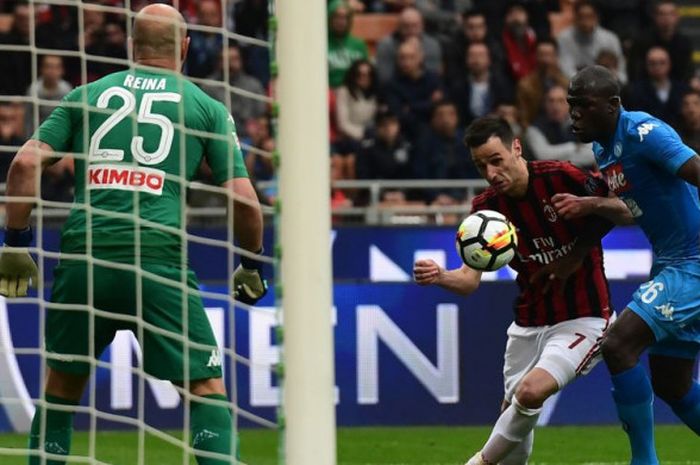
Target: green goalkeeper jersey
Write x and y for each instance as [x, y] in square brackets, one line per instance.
[137, 137]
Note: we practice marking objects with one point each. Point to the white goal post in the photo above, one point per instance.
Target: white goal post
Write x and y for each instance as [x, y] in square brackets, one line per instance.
[304, 180]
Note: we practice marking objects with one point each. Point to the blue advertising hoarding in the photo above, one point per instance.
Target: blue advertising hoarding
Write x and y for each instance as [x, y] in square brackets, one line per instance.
[381, 254]
[405, 355]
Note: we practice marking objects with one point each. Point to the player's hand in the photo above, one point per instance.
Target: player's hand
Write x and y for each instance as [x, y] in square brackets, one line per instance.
[557, 272]
[570, 206]
[17, 269]
[426, 272]
[248, 285]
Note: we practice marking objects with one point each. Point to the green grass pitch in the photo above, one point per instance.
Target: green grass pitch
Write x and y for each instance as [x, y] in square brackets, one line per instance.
[601, 445]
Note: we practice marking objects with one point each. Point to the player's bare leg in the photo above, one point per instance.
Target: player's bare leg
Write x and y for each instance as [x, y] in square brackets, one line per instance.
[211, 422]
[517, 421]
[622, 346]
[672, 380]
[62, 390]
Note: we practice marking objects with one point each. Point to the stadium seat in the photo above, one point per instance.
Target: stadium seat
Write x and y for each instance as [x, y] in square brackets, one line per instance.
[373, 27]
[5, 23]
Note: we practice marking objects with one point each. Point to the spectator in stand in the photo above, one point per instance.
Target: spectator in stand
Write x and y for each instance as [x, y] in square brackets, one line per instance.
[625, 18]
[609, 59]
[251, 20]
[103, 37]
[410, 26]
[664, 33]
[395, 5]
[356, 101]
[9, 136]
[16, 67]
[481, 88]
[532, 87]
[205, 47]
[243, 107]
[580, 44]
[49, 86]
[411, 94]
[57, 29]
[689, 128]
[657, 94]
[550, 137]
[255, 147]
[343, 48]
[519, 42]
[537, 11]
[107, 41]
[440, 152]
[386, 154]
[442, 16]
[474, 29]
[93, 26]
[510, 112]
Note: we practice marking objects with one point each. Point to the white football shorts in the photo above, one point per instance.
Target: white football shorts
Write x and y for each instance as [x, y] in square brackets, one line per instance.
[565, 350]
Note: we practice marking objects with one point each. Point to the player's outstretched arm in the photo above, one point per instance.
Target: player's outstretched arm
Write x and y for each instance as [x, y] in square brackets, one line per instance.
[249, 284]
[690, 171]
[463, 281]
[612, 208]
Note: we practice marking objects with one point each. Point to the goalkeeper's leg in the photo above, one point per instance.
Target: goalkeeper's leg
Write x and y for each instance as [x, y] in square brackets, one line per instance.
[211, 421]
[52, 427]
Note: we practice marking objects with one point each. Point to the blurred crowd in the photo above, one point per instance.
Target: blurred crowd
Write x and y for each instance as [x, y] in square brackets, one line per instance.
[399, 104]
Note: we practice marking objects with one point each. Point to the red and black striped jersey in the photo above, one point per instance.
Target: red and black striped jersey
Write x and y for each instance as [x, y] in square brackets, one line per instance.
[543, 237]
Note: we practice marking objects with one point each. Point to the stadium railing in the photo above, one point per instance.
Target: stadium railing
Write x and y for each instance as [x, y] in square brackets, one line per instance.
[375, 212]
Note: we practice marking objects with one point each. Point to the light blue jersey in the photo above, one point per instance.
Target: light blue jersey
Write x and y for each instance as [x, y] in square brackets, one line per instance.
[640, 165]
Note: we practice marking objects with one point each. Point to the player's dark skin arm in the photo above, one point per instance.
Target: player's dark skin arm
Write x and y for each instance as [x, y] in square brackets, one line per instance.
[690, 171]
[22, 181]
[248, 223]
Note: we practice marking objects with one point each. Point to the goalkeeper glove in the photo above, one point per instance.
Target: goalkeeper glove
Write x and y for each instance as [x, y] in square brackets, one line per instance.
[17, 267]
[249, 286]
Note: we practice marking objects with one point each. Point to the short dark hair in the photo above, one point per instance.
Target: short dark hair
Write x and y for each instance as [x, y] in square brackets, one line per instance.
[691, 92]
[482, 129]
[548, 41]
[598, 80]
[442, 103]
[384, 115]
[472, 12]
[664, 2]
[513, 4]
[585, 3]
[354, 71]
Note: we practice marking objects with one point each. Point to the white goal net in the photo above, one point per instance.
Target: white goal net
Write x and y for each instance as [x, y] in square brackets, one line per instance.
[126, 416]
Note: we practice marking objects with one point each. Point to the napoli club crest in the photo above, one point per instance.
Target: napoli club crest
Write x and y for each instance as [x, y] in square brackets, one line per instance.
[617, 150]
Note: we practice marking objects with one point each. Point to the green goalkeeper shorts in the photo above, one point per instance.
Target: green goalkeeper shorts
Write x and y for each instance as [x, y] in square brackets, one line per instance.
[67, 330]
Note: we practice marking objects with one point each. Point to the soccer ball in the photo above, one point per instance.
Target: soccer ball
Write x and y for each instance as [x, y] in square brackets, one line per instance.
[486, 240]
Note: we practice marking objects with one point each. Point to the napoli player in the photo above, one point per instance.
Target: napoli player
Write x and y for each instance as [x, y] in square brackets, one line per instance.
[647, 165]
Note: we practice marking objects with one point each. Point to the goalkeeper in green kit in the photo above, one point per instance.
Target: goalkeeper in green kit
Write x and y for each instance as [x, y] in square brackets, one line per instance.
[138, 135]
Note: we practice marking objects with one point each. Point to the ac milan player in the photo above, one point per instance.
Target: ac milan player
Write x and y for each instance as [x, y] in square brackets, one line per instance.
[554, 336]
